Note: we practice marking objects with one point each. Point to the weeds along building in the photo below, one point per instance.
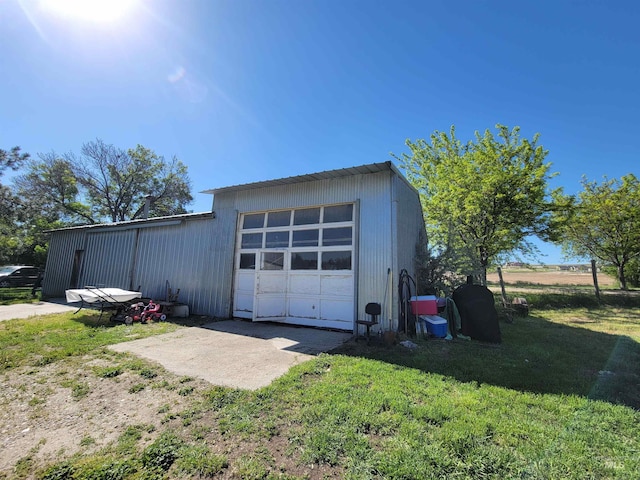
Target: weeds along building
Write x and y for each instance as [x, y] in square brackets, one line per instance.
[307, 250]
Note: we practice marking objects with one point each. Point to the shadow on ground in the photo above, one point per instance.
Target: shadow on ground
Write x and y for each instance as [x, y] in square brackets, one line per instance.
[93, 318]
[535, 355]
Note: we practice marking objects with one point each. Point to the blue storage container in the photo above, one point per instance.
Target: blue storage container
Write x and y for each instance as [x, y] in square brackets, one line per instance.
[436, 326]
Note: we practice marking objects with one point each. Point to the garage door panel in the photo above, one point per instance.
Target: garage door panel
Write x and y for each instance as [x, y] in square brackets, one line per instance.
[271, 283]
[304, 307]
[270, 307]
[244, 294]
[337, 285]
[335, 309]
[244, 305]
[299, 268]
[246, 282]
[304, 284]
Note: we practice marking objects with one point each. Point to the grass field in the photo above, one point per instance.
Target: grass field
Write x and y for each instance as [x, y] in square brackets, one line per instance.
[558, 398]
[549, 278]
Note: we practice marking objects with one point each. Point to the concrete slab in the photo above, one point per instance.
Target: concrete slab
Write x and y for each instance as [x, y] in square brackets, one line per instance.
[26, 310]
[235, 353]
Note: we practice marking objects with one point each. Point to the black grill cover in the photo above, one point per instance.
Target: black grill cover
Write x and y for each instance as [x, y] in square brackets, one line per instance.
[478, 315]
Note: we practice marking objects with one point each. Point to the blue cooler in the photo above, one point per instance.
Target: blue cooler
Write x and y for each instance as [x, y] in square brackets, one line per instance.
[436, 326]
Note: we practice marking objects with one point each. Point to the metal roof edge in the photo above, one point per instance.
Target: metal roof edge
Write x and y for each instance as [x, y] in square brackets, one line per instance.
[401, 176]
[310, 177]
[138, 222]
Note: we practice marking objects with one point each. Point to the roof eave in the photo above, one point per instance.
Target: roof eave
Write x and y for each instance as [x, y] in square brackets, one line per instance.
[310, 177]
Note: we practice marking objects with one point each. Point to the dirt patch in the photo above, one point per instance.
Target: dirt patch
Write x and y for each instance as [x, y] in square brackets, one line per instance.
[67, 407]
[86, 406]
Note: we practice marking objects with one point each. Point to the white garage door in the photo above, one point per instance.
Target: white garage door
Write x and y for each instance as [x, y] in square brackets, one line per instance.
[296, 266]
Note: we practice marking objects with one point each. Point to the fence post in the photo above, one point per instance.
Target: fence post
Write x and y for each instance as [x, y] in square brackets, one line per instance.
[507, 308]
[504, 293]
[594, 273]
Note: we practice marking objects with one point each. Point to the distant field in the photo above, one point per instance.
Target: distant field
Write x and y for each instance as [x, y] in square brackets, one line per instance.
[514, 277]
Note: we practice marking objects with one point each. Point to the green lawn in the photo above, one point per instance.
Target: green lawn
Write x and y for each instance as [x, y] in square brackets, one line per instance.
[559, 398]
[11, 295]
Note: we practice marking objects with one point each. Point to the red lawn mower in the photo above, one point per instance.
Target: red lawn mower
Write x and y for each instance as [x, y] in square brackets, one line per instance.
[139, 312]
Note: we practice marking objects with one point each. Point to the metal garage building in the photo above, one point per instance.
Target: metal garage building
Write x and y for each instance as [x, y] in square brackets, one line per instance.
[308, 250]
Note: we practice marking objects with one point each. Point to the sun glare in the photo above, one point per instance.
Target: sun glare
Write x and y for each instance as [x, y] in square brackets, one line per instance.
[103, 11]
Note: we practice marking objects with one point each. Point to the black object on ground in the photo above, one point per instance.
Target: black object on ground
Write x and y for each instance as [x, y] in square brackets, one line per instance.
[478, 315]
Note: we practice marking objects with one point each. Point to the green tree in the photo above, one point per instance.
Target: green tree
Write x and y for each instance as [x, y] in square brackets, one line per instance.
[482, 199]
[9, 160]
[9, 205]
[12, 159]
[50, 187]
[106, 183]
[603, 222]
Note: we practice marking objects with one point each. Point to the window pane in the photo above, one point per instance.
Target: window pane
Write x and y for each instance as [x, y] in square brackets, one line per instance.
[336, 260]
[305, 238]
[339, 213]
[306, 216]
[272, 261]
[304, 261]
[279, 219]
[336, 236]
[251, 240]
[277, 240]
[255, 220]
[248, 261]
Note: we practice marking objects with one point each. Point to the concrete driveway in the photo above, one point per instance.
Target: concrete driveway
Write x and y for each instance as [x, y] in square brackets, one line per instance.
[235, 353]
[231, 353]
[25, 310]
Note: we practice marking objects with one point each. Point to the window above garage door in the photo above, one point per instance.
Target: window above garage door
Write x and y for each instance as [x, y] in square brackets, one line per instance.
[318, 238]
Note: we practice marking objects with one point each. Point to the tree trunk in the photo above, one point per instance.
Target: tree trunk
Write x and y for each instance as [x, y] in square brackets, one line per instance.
[484, 262]
[621, 277]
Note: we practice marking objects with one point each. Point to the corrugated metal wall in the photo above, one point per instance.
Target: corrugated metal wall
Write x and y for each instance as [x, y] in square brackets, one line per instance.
[196, 255]
[62, 248]
[410, 227]
[192, 255]
[377, 263]
[108, 259]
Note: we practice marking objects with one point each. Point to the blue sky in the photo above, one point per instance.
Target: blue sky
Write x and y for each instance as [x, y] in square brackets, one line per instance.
[249, 90]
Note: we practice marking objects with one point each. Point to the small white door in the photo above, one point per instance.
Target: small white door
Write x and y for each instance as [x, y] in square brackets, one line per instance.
[244, 294]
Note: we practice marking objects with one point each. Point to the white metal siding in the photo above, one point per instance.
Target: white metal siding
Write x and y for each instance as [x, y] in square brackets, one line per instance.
[376, 253]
